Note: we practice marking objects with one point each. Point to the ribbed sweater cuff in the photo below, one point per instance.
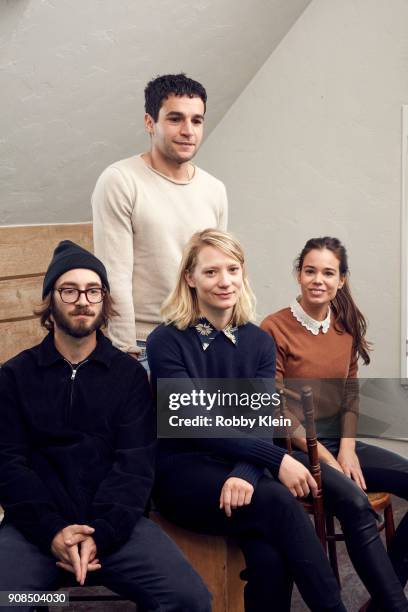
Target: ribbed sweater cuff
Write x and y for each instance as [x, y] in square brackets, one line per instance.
[103, 535]
[51, 525]
[247, 471]
[268, 454]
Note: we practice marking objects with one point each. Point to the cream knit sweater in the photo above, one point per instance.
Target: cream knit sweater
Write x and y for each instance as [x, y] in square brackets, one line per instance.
[141, 222]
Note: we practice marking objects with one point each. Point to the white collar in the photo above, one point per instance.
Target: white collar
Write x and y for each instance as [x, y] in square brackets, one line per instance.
[310, 324]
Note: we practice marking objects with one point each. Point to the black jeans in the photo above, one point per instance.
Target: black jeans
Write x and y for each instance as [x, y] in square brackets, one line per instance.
[383, 471]
[148, 569]
[276, 536]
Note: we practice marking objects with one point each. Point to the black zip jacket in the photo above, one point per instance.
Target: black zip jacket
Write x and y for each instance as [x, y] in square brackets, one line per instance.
[76, 445]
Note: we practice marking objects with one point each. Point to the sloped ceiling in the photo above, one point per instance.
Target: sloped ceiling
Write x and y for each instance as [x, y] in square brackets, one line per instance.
[72, 76]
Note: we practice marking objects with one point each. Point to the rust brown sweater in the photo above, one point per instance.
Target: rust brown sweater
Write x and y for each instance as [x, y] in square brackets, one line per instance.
[308, 358]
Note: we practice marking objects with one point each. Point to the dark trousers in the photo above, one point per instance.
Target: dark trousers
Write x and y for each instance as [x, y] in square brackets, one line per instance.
[383, 471]
[149, 569]
[275, 534]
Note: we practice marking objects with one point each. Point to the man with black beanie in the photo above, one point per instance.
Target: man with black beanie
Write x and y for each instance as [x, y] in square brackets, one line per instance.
[77, 443]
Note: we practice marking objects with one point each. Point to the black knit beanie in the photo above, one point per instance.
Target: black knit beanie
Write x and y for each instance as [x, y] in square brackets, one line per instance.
[68, 256]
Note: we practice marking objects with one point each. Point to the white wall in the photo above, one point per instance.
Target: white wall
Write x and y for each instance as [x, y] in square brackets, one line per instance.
[72, 75]
[312, 147]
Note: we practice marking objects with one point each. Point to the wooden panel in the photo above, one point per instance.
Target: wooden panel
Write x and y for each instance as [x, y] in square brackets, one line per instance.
[27, 250]
[235, 586]
[19, 297]
[15, 337]
[208, 556]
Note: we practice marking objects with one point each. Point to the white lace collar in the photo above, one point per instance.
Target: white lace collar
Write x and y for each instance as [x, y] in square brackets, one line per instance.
[310, 324]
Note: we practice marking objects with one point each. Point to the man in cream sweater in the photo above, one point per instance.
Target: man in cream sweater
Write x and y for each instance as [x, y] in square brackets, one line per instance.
[146, 207]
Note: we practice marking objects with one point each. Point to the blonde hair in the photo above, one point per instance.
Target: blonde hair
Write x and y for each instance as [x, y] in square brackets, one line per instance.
[181, 307]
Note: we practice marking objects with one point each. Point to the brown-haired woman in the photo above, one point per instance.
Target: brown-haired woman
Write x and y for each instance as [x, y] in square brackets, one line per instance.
[322, 336]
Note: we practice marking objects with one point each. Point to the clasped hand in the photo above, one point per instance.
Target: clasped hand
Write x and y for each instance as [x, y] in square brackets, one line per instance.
[234, 493]
[75, 549]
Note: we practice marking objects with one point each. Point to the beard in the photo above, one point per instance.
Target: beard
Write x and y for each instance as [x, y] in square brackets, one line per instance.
[77, 328]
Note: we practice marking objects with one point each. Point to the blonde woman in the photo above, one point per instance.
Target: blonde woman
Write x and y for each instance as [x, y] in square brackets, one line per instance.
[218, 486]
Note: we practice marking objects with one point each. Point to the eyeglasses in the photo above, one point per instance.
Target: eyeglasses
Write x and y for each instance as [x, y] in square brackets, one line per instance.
[70, 295]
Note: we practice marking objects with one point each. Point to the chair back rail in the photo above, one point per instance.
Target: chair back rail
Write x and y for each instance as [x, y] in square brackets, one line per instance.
[305, 399]
[311, 439]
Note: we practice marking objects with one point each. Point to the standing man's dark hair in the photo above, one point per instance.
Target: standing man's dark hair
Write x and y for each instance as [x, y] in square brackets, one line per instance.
[162, 87]
[147, 207]
[77, 442]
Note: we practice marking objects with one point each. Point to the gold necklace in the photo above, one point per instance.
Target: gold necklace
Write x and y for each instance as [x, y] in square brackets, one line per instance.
[149, 160]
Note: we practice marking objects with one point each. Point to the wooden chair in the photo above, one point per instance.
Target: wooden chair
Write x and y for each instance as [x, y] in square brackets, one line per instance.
[324, 522]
